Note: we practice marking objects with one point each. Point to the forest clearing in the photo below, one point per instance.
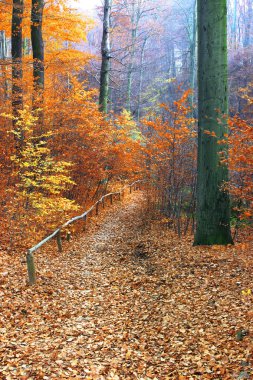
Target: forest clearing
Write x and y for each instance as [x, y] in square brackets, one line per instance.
[126, 187]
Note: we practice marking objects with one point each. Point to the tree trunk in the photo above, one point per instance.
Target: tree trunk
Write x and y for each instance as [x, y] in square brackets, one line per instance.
[3, 45]
[105, 66]
[38, 51]
[213, 206]
[17, 73]
[141, 80]
[249, 19]
[193, 56]
[135, 16]
[3, 56]
[234, 23]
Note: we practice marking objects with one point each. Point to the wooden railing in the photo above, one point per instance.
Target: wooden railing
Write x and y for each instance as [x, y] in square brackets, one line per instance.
[57, 233]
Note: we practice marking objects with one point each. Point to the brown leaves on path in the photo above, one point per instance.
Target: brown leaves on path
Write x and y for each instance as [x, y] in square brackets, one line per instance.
[128, 301]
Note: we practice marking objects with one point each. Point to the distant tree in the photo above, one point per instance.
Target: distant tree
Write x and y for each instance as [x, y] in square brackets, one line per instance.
[105, 51]
[213, 206]
[248, 24]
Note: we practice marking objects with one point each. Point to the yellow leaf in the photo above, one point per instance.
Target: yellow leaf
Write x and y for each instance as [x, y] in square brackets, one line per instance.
[128, 355]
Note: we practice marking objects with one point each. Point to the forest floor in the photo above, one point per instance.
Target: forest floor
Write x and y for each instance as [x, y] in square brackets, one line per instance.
[128, 300]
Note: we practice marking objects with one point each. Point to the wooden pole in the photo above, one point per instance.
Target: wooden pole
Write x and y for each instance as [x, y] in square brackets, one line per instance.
[68, 236]
[59, 241]
[84, 220]
[111, 199]
[31, 268]
[97, 208]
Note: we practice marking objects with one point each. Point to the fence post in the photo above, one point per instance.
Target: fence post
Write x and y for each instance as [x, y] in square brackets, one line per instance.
[84, 219]
[30, 268]
[111, 198]
[119, 195]
[103, 202]
[59, 241]
[97, 206]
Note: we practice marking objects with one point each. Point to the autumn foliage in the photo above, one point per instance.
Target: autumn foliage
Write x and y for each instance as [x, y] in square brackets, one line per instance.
[77, 153]
[241, 166]
[171, 161]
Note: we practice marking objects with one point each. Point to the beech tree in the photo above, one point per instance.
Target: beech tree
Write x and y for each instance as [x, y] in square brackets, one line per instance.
[213, 206]
[37, 44]
[16, 53]
[105, 51]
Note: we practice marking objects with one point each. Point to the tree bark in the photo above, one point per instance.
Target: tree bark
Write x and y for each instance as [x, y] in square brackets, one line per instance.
[105, 66]
[17, 73]
[37, 48]
[213, 206]
[3, 45]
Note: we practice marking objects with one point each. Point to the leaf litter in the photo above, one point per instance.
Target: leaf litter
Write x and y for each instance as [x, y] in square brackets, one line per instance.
[128, 300]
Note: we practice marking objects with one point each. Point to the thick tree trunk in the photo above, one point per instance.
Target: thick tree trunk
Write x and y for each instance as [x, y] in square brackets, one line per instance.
[213, 206]
[17, 73]
[38, 49]
[105, 66]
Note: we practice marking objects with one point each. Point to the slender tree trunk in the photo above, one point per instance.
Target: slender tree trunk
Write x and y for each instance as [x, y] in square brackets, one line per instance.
[105, 66]
[3, 47]
[130, 70]
[134, 22]
[38, 52]
[141, 80]
[193, 55]
[26, 46]
[17, 73]
[234, 29]
[3, 56]
[173, 61]
[249, 19]
[213, 206]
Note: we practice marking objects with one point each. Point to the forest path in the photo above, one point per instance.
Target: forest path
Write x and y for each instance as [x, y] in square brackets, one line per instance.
[128, 300]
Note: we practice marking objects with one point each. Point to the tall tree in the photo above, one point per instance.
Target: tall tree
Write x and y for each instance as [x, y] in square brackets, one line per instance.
[37, 45]
[105, 51]
[213, 206]
[16, 53]
[249, 19]
[193, 41]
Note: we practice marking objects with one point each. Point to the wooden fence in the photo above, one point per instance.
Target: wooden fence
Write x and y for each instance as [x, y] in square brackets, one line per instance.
[57, 233]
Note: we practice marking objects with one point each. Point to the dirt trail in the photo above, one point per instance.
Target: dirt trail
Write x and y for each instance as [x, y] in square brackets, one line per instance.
[128, 300]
